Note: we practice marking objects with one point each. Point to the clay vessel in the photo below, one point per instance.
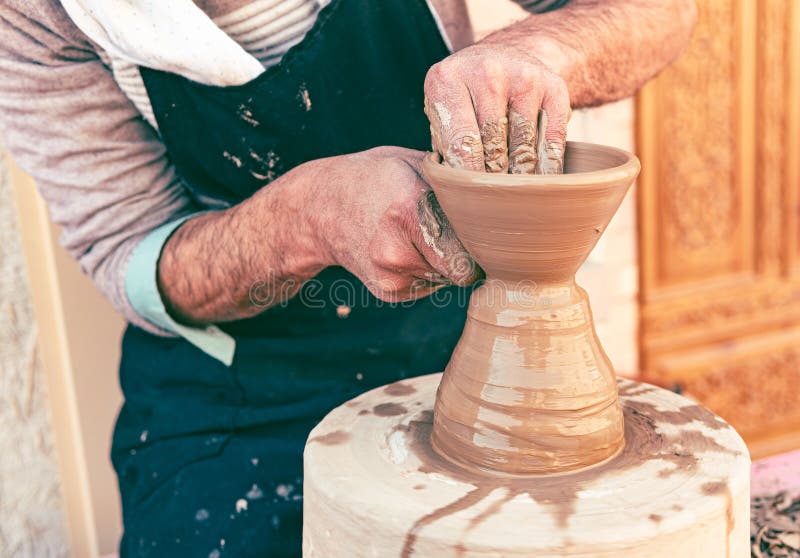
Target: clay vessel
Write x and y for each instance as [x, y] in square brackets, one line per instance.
[529, 389]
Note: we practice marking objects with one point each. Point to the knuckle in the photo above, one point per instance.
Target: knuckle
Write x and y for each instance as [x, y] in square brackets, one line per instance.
[490, 70]
[381, 151]
[395, 166]
[436, 76]
[557, 89]
[529, 75]
[389, 256]
[493, 87]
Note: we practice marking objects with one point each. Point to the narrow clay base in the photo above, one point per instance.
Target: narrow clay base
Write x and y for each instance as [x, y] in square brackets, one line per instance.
[374, 487]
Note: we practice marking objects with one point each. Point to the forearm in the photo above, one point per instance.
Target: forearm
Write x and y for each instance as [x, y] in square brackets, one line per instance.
[605, 50]
[233, 264]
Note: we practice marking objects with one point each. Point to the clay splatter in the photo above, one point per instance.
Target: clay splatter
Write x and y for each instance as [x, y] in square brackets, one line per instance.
[263, 169]
[559, 493]
[246, 114]
[399, 389]
[254, 493]
[331, 438]
[284, 491]
[388, 410]
[343, 311]
[233, 159]
[717, 488]
[305, 97]
[465, 502]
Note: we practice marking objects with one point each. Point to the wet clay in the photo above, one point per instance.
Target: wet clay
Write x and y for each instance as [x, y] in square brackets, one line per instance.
[523, 155]
[494, 136]
[559, 492]
[528, 389]
[331, 438]
[388, 410]
[515, 143]
[679, 487]
[437, 233]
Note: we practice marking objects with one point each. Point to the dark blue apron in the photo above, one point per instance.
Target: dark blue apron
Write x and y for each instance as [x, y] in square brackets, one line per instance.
[209, 457]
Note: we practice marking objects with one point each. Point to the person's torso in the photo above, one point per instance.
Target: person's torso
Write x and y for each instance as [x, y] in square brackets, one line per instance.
[295, 361]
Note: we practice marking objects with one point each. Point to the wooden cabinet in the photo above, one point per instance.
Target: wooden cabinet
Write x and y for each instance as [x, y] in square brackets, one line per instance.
[719, 231]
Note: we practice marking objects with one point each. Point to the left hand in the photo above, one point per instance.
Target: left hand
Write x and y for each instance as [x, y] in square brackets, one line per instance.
[489, 103]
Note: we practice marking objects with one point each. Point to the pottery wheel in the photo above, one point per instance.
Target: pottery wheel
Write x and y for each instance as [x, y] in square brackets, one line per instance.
[374, 488]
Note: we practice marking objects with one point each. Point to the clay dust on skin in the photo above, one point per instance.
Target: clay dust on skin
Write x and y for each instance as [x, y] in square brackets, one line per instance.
[444, 115]
[494, 136]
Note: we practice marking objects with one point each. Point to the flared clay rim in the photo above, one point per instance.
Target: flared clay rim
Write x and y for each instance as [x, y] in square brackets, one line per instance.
[435, 172]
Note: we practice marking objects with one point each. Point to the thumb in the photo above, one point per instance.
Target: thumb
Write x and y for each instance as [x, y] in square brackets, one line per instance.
[440, 246]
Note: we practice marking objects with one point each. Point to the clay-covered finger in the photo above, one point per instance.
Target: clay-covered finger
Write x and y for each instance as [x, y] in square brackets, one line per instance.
[454, 128]
[490, 101]
[494, 137]
[523, 115]
[439, 245]
[552, 127]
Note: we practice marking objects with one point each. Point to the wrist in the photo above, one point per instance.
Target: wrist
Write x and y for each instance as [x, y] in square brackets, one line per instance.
[531, 39]
[559, 58]
[321, 216]
[282, 221]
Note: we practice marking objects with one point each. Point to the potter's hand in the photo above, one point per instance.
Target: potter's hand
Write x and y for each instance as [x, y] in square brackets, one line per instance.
[369, 212]
[495, 108]
[383, 224]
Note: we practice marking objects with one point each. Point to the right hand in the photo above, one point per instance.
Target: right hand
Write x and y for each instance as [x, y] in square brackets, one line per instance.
[380, 220]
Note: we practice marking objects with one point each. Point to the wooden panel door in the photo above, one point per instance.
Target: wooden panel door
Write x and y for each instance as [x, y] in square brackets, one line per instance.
[719, 235]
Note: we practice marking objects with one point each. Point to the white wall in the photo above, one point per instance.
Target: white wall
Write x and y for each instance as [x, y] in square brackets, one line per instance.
[32, 521]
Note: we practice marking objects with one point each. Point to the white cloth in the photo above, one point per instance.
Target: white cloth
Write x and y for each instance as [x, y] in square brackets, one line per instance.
[174, 36]
[170, 35]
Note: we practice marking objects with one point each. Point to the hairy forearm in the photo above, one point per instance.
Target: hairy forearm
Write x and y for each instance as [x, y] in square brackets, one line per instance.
[233, 264]
[605, 50]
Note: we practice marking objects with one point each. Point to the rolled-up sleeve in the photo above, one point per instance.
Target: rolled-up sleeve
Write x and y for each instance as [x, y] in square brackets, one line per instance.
[102, 170]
